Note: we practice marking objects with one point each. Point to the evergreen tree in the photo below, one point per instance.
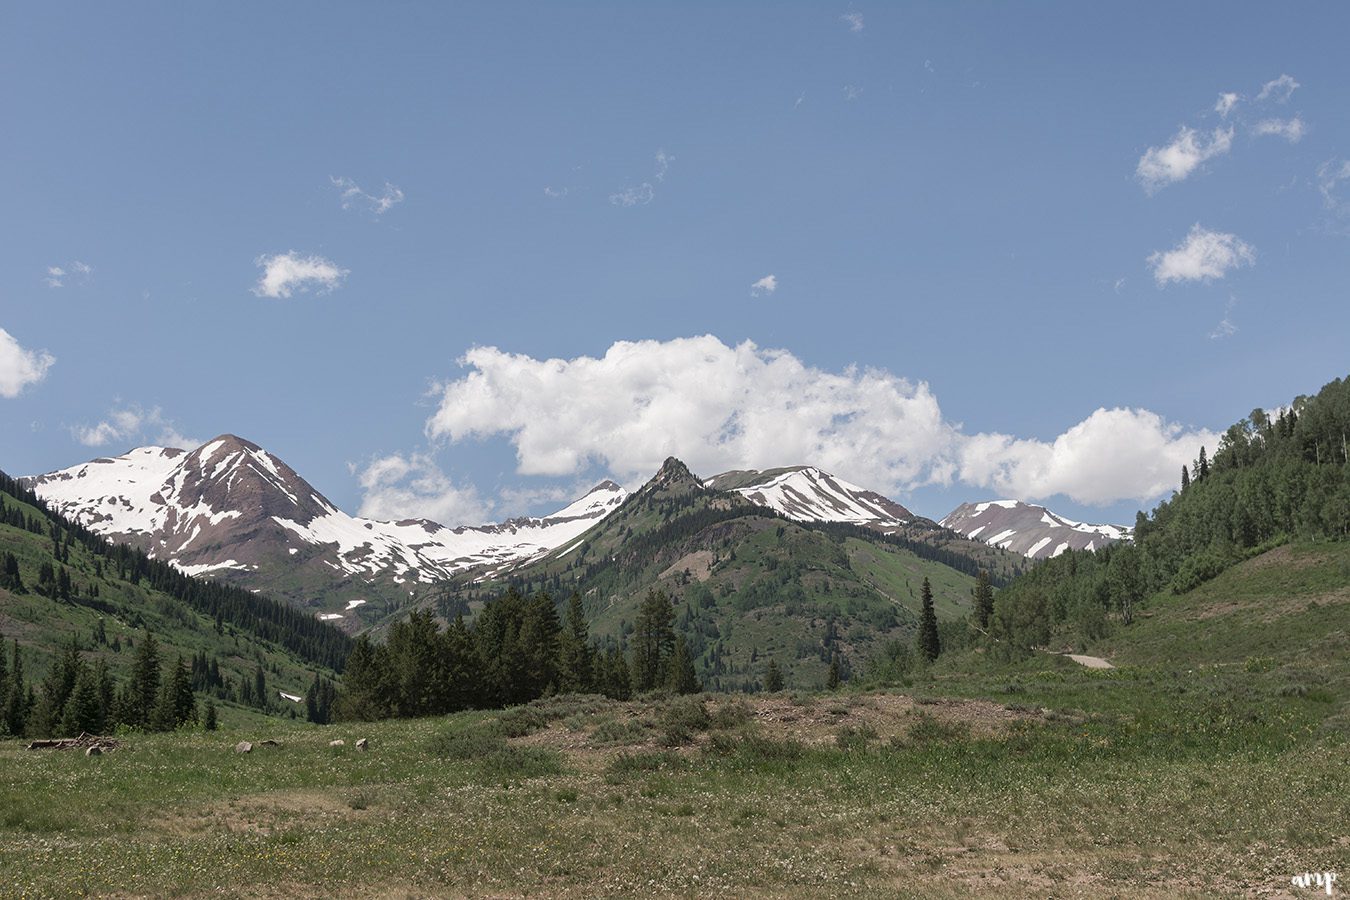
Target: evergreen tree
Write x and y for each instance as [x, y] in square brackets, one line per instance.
[1202, 466]
[209, 716]
[176, 705]
[618, 679]
[984, 600]
[14, 709]
[1185, 478]
[653, 641]
[143, 690]
[260, 698]
[84, 710]
[930, 645]
[773, 677]
[683, 679]
[832, 678]
[575, 662]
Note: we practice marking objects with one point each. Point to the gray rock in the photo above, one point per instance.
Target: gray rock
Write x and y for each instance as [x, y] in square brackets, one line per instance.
[338, 743]
[94, 751]
[243, 747]
[363, 745]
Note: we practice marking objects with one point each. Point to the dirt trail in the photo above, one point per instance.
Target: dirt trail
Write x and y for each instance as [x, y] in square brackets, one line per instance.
[1092, 662]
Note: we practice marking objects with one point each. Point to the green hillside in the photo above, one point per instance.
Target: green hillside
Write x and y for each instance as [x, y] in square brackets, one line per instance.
[747, 584]
[63, 587]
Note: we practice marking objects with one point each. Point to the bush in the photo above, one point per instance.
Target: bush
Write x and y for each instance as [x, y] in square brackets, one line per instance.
[626, 764]
[929, 729]
[732, 714]
[681, 718]
[510, 763]
[615, 731]
[522, 720]
[855, 739]
[473, 742]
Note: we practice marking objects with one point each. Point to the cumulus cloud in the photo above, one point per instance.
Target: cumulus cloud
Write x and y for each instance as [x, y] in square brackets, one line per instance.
[1203, 256]
[1278, 90]
[1113, 454]
[1292, 130]
[286, 273]
[355, 198]
[133, 424]
[719, 407]
[854, 21]
[412, 486]
[1226, 103]
[1175, 161]
[19, 367]
[766, 285]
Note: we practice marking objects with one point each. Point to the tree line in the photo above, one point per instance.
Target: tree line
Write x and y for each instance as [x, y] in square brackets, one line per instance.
[1274, 477]
[296, 630]
[516, 650]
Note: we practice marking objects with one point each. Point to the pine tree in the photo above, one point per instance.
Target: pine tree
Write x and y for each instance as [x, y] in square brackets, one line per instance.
[143, 691]
[83, 711]
[209, 716]
[14, 707]
[984, 600]
[260, 697]
[1202, 466]
[683, 679]
[773, 677]
[930, 645]
[1185, 478]
[653, 641]
[832, 679]
[575, 662]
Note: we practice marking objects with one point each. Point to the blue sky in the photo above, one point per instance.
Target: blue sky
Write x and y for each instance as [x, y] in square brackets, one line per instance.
[1015, 250]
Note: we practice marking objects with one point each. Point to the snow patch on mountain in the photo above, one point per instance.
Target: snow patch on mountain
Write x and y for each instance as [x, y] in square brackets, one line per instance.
[808, 494]
[1031, 530]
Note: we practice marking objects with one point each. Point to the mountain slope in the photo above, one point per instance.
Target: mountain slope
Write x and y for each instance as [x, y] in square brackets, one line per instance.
[75, 585]
[747, 583]
[805, 493]
[232, 510]
[1033, 531]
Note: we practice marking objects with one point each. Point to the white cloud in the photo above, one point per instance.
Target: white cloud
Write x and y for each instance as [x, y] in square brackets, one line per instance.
[852, 92]
[1112, 455]
[634, 196]
[555, 193]
[663, 161]
[1161, 166]
[286, 273]
[131, 423]
[355, 198]
[1226, 327]
[1203, 256]
[20, 368]
[56, 275]
[1278, 90]
[1292, 130]
[397, 487]
[854, 21]
[766, 285]
[1329, 177]
[1226, 103]
[719, 407]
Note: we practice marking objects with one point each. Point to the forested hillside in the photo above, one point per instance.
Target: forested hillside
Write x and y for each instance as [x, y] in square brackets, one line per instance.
[746, 585]
[1275, 477]
[97, 635]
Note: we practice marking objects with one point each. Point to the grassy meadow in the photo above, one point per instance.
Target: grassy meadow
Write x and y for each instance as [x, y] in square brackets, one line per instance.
[1212, 761]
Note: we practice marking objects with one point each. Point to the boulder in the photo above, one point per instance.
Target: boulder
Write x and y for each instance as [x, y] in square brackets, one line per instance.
[243, 747]
[94, 750]
[363, 745]
[338, 743]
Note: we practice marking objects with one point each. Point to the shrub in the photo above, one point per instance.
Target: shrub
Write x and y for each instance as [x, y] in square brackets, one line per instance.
[855, 739]
[929, 729]
[510, 763]
[615, 731]
[732, 714]
[474, 742]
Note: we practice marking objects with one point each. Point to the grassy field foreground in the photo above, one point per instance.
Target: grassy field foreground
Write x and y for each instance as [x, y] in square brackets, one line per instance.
[1203, 766]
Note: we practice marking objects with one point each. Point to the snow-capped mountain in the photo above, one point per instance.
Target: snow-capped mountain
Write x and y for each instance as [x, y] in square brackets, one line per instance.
[1033, 531]
[231, 509]
[807, 494]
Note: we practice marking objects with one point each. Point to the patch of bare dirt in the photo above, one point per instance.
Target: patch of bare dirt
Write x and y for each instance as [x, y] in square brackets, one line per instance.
[263, 813]
[698, 564]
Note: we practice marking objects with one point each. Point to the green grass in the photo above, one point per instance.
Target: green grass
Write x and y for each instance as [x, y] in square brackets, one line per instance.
[1207, 764]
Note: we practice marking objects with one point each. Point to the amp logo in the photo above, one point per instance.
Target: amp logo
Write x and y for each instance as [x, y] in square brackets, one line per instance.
[1315, 879]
